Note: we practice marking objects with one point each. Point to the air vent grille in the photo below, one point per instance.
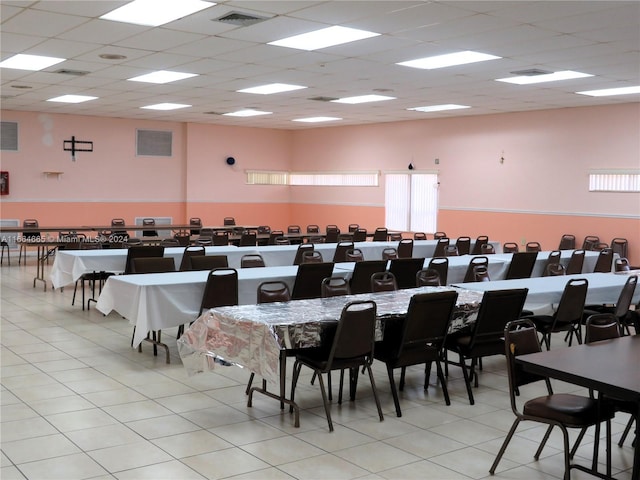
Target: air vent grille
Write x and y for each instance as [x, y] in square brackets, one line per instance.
[240, 19]
[66, 71]
[154, 143]
[323, 99]
[531, 72]
[9, 136]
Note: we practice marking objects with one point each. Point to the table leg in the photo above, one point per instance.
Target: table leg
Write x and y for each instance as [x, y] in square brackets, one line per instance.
[41, 257]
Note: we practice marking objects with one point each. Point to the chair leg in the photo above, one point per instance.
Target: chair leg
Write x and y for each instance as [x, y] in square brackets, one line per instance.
[325, 401]
[294, 381]
[627, 429]
[574, 449]
[251, 377]
[503, 448]
[467, 379]
[375, 392]
[443, 382]
[394, 391]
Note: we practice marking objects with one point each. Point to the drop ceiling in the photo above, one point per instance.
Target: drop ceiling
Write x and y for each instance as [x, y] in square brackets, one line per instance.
[601, 38]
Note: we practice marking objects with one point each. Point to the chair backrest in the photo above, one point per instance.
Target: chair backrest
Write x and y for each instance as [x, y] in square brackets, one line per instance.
[170, 242]
[554, 257]
[383, 282]
[380, 234]
[221, 289]
[575, 262]
[133, 242]
[141, 251]
[355, 333]
[334, 286]
[571, 306]
[521, 265]
[604, 261]
[395, 237]
[510, 247]
[478, 246]
[149, 222]
[405, 248]
[567, 242]
[308, 281]
[405, 270]
[118, 222]
[209, 262]
[252, 260]
[282, 241]
[451, 251]
[264, 229]
[315, 239]
[195, 222]
[340, 254]
[485, 249]
[273, 291]
[312, 256]
[441, 265]
[428, 277]
[441, 244]
[554, 270]
[464, 245]
[360, 235]
[249, 239]
[600, 246]
[183, 238]
[533, 247]
[498, 308]
[601, 326]
[361, 276]
[192, 251]
[589, 242]
[481, 274]
[153, 265]
[620, 246]
[353, 227]
[229, 221]
[220, 238]
[204, 241]
[354, 255]
[439, 235]
[622, 264]
[274, 235]
[30, 223]
[626, 297]
[389, 253]
[294, 229]
[332, 234]
[313, 228]
[419, 236]
[469, 276]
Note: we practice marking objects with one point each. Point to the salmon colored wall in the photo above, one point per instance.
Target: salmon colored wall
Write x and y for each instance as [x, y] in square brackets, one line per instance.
[342, 216]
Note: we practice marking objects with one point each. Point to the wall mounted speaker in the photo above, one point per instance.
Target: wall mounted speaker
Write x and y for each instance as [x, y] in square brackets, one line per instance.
[231, 161]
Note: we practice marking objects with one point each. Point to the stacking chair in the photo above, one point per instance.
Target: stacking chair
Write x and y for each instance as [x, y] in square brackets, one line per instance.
[196, 224]
[498, 307]
[383, 282]
[604, 261]
[405, 248]
[419, 236]
[521, 265]
[451, 251]
[340, 254]
[405, 270]
[191, 251]
[138, 251]
[441, 244]
[395, 237]
[554, 270]
[589, 242]
[469, 275]
[416, 339]
[252, 260]
[182, 238]
[302, 248]
[274, 235]
[204, 241]
[332, 234]
[361, 276]
[313, 229]
[353, 227]
[563, 410]
[439, 235]
[5, 245]
[533, 247]
[264, 229]
[621, 308]
[389, 253]
[428, 277]
[568, 315]
[381, 234]
[510, 247]
[170, 242]
[554, 257]
[28, 236]
[334, 287]
[354, 255]
[308, 281]
[352, 348]
[481, 274]
[209, 262]
[360, 235]
[620, 246]
[249, 239]
[90, 278]
[221, 289]
[567, 242]
[312, 256]
[479, 245]
[486, 249]
[149, 222]
[441, 265]
[229, 221]
[600, 246]
[294, 229]
[463, 245]
[621, 265]
[575, 262]
[117, 225]
[282, 241]
[133, 242]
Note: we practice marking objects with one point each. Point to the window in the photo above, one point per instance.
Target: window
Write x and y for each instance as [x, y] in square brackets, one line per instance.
[411, 201]
[614, 181]
[262, 177]
[334, 179]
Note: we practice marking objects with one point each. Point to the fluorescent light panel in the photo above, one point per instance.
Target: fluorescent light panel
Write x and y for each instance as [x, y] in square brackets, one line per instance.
[162, 76]
[438, 108]
[155, 12]
[363, 99]
[611, 91]
[549, 77]
[23, 61]
[448, 60]
[323, 38]
[248, 112]
[166, 106]
[72, 99]
[272, 88]
[316, 119]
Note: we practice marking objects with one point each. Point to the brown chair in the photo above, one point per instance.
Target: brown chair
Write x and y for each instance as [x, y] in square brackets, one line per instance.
[486, 249]
[554, 257]
[196, 224]
[604, 263]
[361, 276]
[264, 230]
[439, 235]
[510, 247]
[498, 307]
[252, 260]
[204, 241]
[622, 265]
[332, 234]
[428, 277]
[29, 236]
[209, 262]
[353, 227]
[308, 281]
[354, 255]
[479, 245]
[405, 270]
[381, 234]
[153, 265]
[395, 237]
[463, 245]
[183, 238]
[294, 229]
[249, 239]
[419, 236]
[229, 221]
[170, 242]
[389, 253]
[312, 256]
[5, 246]
[383, 282]
[575, 262]
[138, 251]
[441, 244]
[313, 229]
[340, 254]
[405, 248]
[360, 235]
[481, 274]
[117, 227]
[352, 348]
[621, 309]
[334, 286]
[567, 242]
[90, 278]
[133, 242]
[469, 275]
[451, 251]
[590, 242]
[600, 246]
[554, 270]
[620, 246]
[274, 235]
[149, 232]
[417, 339]
[533, 247]
[521, 265]
[441, 265]
[302, 248]
[220, 238]
[282, 241]
[554, 409]
[192, 251]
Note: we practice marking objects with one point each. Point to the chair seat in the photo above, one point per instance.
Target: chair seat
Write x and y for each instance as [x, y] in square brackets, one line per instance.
[568, 409]
[317, 360]
[545, 322]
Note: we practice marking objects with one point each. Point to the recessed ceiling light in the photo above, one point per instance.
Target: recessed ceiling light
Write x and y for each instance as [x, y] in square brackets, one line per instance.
[439, 108]
[549, 77]
[448, 60]
[155, 12]
[162, 76]
[72, 99]
[166, 106]
[611, 91]
[112, 56]
[363, 99]
[316, 119]
[272, 88]
[30, 62]
[323, 38]
[247, 113]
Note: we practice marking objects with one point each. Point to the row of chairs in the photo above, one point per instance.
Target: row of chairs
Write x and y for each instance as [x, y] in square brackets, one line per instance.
[593, 242]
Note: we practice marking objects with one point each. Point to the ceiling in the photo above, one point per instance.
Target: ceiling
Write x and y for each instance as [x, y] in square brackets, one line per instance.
[601, 38]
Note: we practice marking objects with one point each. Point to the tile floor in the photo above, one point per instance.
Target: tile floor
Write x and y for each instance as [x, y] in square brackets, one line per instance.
[78, 402]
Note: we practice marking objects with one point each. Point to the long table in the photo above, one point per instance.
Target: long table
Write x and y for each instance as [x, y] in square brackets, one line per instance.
[609, 366]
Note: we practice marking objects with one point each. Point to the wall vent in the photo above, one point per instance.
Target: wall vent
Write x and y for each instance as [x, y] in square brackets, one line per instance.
[240, 19]
[9, 136]
[323, 99]
[153, 143]
[531, 72]
[66, 71]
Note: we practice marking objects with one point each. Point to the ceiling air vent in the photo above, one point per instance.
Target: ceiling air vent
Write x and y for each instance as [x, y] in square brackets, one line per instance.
[531, 72]
[240, 19]
[212, 113]
[323, 99]
[66, 71]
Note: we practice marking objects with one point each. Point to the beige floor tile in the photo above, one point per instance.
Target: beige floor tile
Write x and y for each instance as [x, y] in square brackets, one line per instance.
[77, 466]
[376, 457]
[471, 462]
[162, 426]
[339, 439]
[187, 402]
[52, 406]
[323, 466]
[80, 420]
[11, 473]
[16, 411]
[126, 457]
[104, 437]
[191, 443]
[421, 470]
[114, 397]
[129, 412]
[38, 448]
[468, 432]
[250, 431]
[282, 450]
[172, 470]
[27, 428]
[225, 463]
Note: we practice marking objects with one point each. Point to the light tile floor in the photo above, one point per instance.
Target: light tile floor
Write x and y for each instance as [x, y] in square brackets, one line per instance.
[78, 402]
